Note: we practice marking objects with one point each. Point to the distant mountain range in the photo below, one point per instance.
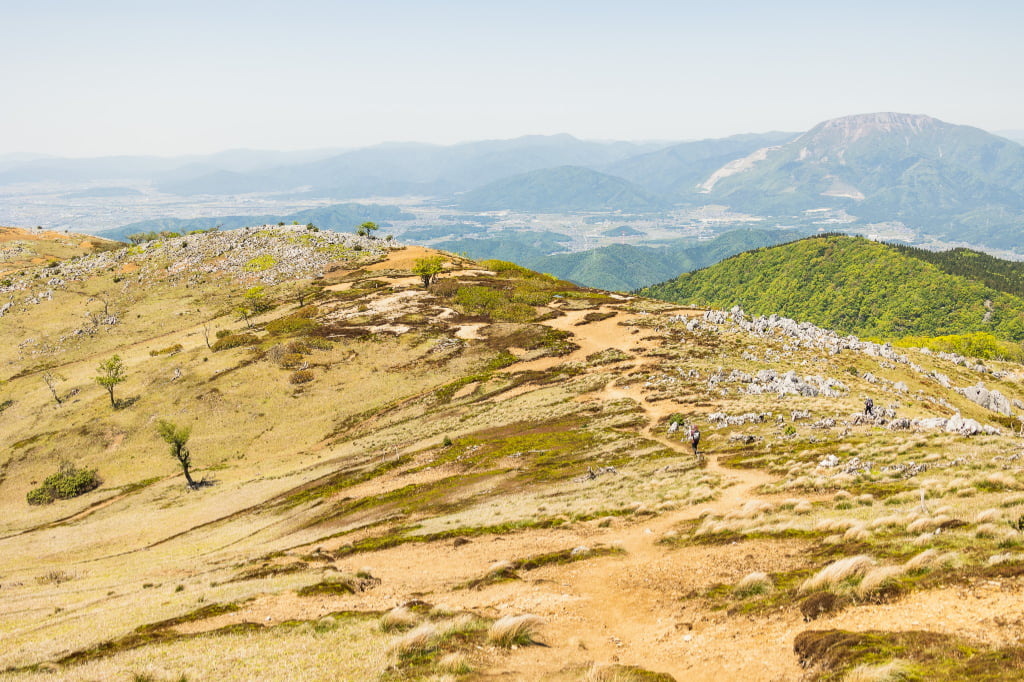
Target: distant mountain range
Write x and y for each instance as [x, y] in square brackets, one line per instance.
[565, 189]
[862, 287]
[945, 182]
[410, 168]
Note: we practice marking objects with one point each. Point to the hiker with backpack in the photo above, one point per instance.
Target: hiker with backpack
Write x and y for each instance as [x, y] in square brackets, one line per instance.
[694, 439]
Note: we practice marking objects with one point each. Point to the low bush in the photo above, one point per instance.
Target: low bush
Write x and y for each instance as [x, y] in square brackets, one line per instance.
[318, 343]
[67, 483]
[233, 341]
[170, 350]
[292, 325]
[303, 376]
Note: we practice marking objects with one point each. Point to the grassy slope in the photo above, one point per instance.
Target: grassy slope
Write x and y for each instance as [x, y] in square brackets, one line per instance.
[314, 481]
[852, 285]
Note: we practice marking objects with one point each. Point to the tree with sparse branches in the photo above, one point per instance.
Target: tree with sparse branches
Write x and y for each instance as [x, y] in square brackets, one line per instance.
[111, 373]
[428, 268]
[367, 229]
[51, 379]
[305, 293]
[253, 303]
[176, 437]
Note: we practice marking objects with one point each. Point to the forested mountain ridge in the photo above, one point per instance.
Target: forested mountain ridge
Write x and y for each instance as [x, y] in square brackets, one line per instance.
[1002, 275]
[853, 285]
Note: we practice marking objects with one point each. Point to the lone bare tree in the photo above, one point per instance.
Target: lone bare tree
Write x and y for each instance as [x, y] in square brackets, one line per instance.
[52, 379]
[177, 436]
[111, 373]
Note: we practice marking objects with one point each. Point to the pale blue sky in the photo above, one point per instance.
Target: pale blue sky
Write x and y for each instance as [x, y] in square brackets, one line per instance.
[103, 77]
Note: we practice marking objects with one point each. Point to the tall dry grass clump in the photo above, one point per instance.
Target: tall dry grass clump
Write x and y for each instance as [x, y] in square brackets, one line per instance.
[926, 524]
[894, 671]
[1006, 558]
[514, 630]
[419, 640]
[398, 618]
[463, 624]
[988, 516]
[879, 578]
[838, 572]
[757, 582]
[922, 562]
[617, 673]
[750, 509]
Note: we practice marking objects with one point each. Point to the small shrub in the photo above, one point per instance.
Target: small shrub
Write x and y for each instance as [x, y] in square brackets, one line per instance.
[221, 333]
[55, 576]
[67, 483]
[291, 360]
[303, 376]
[233, 341]
[292, 325]
[260, 263]
[318, 343]
[170, 350]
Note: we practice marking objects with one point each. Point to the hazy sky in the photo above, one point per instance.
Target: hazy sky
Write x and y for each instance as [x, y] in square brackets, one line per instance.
[99, 77]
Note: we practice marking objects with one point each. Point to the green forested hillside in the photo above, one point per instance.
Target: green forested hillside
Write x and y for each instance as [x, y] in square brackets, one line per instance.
[625, 267]
[852, 285]
[617, 267]
[995, 273]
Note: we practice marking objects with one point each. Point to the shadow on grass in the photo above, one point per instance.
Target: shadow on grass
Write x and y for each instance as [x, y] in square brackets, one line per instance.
[125, 403]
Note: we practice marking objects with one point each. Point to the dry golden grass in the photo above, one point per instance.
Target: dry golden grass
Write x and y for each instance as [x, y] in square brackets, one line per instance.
[838, 572]
[893, 671]
[754, 583]
[511, 631]
[126, 558]
[878, 578]
[398, 618]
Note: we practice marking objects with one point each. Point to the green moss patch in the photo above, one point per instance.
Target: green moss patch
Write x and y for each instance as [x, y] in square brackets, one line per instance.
[932, 656]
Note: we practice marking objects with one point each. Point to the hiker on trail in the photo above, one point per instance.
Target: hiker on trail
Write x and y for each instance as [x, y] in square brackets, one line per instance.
[869, 407]
[694, 439]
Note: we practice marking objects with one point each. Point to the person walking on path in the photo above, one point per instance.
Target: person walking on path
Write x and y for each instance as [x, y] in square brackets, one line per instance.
[695, 439]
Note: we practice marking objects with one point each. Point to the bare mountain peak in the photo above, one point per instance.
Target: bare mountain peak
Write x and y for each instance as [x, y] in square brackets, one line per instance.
[848, 129]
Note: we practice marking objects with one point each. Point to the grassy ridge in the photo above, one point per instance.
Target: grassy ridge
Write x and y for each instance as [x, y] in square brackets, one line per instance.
[855, 286]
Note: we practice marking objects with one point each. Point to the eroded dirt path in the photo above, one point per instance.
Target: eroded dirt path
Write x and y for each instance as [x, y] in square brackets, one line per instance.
[627, 608]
